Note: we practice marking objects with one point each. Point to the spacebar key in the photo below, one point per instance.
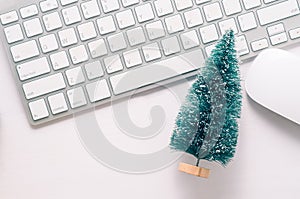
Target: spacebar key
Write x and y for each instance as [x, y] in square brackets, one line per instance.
[156, 72]
[278, 12]
[44, 86]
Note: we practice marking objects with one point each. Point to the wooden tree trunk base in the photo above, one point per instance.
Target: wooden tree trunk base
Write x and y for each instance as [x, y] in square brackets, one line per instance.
[194, 170]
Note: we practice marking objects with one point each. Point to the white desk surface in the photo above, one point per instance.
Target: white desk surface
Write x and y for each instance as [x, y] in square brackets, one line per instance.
[51, 163]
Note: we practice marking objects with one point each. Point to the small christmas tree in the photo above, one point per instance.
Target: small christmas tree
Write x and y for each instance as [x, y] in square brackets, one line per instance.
[206, 126]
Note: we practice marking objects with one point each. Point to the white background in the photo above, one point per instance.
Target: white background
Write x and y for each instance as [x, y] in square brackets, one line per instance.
[50, 162]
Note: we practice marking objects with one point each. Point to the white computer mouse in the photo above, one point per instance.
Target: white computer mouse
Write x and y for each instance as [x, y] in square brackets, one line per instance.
[274, 82]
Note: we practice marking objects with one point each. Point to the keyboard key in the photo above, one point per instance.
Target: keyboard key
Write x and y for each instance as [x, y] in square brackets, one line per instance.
[78, 54]
[275, 29]
[106, 25]
[57, 103]
[247, 21]
[183, 4]
[144, 12]
[125, 19]
[67, 37]
[278, 39]
[259, 44]
[249, 4]
[116, 42]
[127, 3]
[163, 7]
[202, 1]
[29, 11]
[44, 86]
[227, 25]
[269, 1]
[48, 43]
[13, 33]
[278, 12]
[75, 76]
[139, 77]
[212, 12]
[24, 51]
[174, 24]
[59, 60]
[97, 48]
[209, 33]
[76, 97]
[67, 2]
[209, 49]
[136, 36]
[98, 90]
[232, 7]
[33, 27]
[155, 30]
[193, 18]
[294, 33]
[90, 9]
[48, 5]
[151, 52]
[87, 31]
[38, 109]
[170, 46]
[110, 5]
[9, 17]
[190, 39]
[241, 45]
[71, 15]
[94, 70]
[132, 58]
[33, 68]
[113, 64]
[52, 21]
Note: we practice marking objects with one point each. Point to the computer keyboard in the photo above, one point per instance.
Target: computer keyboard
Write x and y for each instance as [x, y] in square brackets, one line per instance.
[71, 55]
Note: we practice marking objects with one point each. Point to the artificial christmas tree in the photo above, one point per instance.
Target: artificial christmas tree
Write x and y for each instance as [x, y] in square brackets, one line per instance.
[206, 126]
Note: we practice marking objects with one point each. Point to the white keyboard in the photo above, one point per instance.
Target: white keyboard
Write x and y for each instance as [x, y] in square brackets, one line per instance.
[71, 55]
